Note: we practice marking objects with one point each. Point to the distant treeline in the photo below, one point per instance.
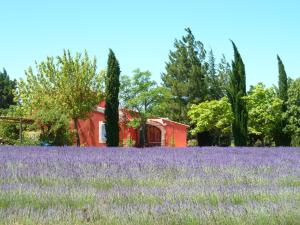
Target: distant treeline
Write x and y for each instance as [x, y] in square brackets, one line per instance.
[209, 95]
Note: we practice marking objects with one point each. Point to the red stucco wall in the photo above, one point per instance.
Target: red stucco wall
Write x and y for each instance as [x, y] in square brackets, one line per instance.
[89, 130]
[176, 130]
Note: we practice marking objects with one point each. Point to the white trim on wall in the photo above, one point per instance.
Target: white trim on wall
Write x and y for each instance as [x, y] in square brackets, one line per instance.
[102, 132]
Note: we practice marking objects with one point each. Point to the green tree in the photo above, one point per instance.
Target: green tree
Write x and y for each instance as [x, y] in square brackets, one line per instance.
[293, 112]
[282, 138]
[66, 83]
[282, 83]
[111, 112]
[185, 76]
[142, 95]
[236, 91]
[213, 116]
[264, 108]
[7, 88]
[217, 77]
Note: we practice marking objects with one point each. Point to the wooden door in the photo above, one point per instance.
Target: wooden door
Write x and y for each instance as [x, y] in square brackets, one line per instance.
[153, 136]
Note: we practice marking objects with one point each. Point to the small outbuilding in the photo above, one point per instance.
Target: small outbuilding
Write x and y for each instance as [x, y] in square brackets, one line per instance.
[160, 131]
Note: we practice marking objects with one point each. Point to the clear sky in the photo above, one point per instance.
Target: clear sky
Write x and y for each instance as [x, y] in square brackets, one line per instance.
[142, 33]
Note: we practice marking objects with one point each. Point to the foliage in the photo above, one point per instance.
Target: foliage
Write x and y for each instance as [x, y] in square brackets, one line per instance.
[217, 77]
[10, 131]
[282, 138]
[236, 91]
[111, 112]
[142, 95]
[192, 143]
[213, 116]
[172, 142]
[129, 141]
[185, 76]
[264, 108]
[54, 126]
[293, 112]
[7, 88]
[66, 85]
[282, 82]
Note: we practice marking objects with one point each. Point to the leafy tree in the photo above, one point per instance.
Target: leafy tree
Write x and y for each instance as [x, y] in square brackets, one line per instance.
[185, 76]
[142, 95]
[264, 108]
[236, 91]
[68, 84]
[293, 112]
[112, 100]
[217, 77]
[54, 125]
[213, 116]
[7, 88]
[282, 138]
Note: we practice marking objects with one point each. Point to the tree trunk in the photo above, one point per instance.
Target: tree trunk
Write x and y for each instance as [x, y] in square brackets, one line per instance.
[144, 134]
[77, 133]
[21, 131]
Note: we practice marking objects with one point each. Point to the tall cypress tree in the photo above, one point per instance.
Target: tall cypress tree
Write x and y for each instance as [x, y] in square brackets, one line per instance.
[236, 91]
[112, 85]
[282, 138]
[282, 83]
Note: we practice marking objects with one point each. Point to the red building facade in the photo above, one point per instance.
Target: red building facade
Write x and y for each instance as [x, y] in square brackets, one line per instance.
[160, 131]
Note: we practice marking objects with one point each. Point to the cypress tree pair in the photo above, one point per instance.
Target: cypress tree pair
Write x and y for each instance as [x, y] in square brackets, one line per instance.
[235, 92]
[112, 85]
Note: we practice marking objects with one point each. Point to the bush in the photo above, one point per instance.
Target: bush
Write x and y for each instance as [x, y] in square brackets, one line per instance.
[192, 143]
[295, 141]
[129, 142]
[9, 133]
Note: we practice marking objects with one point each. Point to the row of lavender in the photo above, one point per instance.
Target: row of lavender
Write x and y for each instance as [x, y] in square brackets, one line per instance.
[149, 186]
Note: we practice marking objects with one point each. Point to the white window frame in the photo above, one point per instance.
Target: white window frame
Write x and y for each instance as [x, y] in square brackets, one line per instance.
[102, 140]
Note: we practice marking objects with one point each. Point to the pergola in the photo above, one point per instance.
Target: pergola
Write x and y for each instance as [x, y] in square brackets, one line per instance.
[19, 120]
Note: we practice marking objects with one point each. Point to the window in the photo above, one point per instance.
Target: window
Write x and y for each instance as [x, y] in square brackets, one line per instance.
[102, 132]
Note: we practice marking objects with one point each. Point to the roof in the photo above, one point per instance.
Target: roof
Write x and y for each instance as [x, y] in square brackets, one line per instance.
[163, 120]
[159, 120]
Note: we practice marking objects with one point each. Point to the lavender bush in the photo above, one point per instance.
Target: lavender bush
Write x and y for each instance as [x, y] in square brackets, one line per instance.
[149, 186]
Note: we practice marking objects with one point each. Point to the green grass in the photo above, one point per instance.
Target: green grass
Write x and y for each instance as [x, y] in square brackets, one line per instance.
[290, 181]
[45, 201]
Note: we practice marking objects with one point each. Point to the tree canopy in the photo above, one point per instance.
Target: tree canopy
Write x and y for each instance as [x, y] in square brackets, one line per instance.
[293, 112]
[142, 94]
[185, 75]
[7, 89]
[213, 116]
[264, 108]
[67, 85]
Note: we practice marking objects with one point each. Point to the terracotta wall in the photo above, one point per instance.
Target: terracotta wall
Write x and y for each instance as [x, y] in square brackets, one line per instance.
[178, 131]
[89, 130]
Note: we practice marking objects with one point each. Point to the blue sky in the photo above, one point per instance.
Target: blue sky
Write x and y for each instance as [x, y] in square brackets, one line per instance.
[142, 33]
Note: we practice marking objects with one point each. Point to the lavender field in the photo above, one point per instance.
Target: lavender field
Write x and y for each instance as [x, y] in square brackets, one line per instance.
[149, 186]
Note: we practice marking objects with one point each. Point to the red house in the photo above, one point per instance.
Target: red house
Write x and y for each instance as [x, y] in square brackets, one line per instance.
[160, 131]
